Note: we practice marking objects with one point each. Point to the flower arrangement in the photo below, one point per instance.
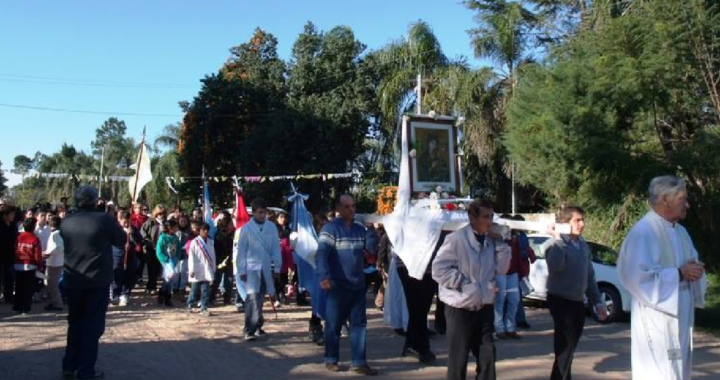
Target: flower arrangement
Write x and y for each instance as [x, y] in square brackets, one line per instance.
[387, 197]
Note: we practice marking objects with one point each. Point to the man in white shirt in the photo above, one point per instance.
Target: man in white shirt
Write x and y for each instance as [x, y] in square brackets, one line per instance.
[55, 256]
[660, 267]
[42, 230]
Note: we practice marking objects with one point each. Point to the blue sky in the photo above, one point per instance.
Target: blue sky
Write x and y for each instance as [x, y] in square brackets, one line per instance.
[142, 57]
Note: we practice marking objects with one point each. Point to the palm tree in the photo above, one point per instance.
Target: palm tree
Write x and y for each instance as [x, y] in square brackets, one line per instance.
[169, 138]
[400, 62]
[396, 68]
[502, 36]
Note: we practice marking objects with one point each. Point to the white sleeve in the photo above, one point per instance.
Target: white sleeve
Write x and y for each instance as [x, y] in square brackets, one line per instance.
[242, 249]
[192, 257]
[642, 275]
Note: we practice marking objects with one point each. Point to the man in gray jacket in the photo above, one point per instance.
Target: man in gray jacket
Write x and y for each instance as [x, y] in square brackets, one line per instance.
[465, 269]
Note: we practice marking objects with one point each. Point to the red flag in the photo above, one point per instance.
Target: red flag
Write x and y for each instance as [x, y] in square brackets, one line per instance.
[241, 214]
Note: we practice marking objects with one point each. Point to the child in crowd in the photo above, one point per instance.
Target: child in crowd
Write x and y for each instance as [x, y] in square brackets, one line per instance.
[201, 268]
[168, 251]
[28, 260]
[42, 229]
[223, 250]
[185, 236]
[125, 261]
[55, 256]
[286, 249]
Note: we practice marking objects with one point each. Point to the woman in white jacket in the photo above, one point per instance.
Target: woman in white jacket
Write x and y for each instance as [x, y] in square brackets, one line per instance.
[201, 269]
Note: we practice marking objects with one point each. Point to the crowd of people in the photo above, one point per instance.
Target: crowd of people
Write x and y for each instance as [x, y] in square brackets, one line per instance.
[477, 274]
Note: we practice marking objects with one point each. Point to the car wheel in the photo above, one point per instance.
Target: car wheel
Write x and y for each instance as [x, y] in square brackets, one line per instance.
[613, 302]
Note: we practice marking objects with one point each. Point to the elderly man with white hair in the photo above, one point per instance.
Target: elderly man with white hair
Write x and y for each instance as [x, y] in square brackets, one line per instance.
[660, 267]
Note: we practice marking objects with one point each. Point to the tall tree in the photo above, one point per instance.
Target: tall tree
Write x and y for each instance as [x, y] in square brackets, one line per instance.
[620, 103]
[110, 133]
[169, 138]
[503, 36]
[23, 165]
[400, 62]
[3, 181]
[330, 87]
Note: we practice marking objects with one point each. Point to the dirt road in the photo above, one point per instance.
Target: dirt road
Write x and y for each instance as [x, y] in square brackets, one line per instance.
[157, 343]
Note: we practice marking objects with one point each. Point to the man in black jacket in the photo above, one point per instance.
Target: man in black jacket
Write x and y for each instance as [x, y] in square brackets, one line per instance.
[89, 236]
[8, 240]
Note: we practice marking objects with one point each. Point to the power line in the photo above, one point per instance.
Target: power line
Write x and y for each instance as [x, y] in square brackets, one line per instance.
[87, 82]
[39, 108]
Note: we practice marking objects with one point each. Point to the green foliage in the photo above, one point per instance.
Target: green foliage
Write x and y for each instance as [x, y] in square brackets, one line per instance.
[617, 105]
[23, 164]
[3, 181]
[169, 138]
[708, 319]
[315, 122]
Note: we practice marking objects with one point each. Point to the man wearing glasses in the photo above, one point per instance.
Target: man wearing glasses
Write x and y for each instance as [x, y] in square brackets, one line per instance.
[465, 269]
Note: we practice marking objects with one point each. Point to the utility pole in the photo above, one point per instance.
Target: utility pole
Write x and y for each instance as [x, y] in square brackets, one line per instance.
[102, 165]
[419, 93]
[512, 189]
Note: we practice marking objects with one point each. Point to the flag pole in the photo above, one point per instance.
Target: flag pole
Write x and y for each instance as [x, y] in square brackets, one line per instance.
[204, 186]
[137, 167]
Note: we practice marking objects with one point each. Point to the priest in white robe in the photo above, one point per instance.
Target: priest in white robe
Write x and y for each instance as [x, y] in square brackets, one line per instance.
[660, 267]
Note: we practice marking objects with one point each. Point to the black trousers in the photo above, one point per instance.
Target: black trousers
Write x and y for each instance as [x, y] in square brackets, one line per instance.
[154, 270]
[25, 283]
[569, 318]
[470, 331]
[86, 324]
[440, 324]
[7, 280]
[418, 296]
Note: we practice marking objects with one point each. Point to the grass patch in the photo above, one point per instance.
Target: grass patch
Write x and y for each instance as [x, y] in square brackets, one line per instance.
[708, 319]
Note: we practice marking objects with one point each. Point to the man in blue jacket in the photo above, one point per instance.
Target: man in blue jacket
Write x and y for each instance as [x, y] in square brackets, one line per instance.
[89, 236]
[340, 261]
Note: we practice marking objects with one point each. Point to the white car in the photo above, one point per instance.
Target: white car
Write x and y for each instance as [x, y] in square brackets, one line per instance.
[616, 297]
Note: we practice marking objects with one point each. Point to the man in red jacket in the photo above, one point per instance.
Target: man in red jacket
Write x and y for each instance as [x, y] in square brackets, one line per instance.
[28, 260]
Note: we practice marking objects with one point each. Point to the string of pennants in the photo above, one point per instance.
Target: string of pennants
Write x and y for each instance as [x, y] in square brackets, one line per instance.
[246, 179]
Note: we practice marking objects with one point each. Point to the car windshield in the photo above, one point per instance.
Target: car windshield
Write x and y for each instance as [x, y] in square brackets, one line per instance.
[603, 254]
[536, 243]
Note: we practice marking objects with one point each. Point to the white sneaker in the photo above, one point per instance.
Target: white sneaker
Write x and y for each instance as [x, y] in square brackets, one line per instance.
[277, 304]
[123, 300]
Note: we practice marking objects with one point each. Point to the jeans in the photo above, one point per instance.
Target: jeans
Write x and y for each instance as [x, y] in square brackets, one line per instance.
[506, 302]
[240, 290]
[53, 286]
[204, 288]
[222, 283]
[86, 324]
[254, 319]
[25, 283]
[520, 315]
[470, 331]
[341, 304]
[569, 318]
[181, 278]
[418, 296]
[124, 272]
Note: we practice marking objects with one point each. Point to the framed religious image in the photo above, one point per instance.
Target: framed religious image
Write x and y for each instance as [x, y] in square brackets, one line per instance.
[433, 164]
